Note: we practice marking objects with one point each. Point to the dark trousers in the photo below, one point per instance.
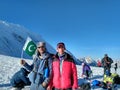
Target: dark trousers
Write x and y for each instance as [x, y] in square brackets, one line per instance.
[106, 68]
[87, 73]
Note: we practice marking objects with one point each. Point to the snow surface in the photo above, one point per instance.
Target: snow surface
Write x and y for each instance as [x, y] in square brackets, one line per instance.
[10, 65]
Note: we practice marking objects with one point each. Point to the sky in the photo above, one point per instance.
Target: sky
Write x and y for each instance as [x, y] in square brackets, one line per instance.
[87, 27]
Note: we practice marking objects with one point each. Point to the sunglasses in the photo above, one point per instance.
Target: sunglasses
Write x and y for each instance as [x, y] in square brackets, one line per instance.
[60, 47]
[41, 47]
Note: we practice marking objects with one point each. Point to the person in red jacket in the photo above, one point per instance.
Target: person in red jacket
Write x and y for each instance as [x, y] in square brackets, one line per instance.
[64, 72]
[99, 63]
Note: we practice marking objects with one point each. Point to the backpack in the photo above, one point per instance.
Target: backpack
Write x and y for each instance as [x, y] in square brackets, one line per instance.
[95, 83]
[116, 79]
[46, 71]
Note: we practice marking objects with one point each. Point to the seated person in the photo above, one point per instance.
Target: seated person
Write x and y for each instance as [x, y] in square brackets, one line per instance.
[20, 79]
[110, 79]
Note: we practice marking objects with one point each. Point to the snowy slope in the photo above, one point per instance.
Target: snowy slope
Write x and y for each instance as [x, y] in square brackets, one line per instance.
[13, 37]
[10, 65]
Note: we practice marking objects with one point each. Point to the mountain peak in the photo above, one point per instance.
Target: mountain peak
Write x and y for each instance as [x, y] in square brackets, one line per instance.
[13, 37]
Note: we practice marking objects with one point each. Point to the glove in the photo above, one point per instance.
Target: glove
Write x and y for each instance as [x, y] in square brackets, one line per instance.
[22, 62]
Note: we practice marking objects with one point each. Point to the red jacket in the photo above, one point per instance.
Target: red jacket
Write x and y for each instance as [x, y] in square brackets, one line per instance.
[68, 77]
[99, 63]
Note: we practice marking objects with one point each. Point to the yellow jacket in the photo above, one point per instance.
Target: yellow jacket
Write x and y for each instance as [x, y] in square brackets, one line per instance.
[109, 78]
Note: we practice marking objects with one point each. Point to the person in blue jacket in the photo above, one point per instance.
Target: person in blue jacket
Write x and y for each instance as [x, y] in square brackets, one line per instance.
[40, 69]
[20, 79]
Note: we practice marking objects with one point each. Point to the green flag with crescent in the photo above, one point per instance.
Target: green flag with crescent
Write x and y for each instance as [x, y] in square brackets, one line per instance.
[29, 47]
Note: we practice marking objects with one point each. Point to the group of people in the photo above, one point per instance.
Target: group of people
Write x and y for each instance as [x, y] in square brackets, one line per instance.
[110, 79]
[54, 72]
[51, 72]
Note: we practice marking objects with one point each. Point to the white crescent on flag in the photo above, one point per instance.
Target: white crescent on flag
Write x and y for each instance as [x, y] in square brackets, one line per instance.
[30, 48]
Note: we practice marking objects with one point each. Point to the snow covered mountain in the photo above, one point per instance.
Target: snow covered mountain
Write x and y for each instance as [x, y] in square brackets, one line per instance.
[88, 60]
[77, 61]
[13, 37]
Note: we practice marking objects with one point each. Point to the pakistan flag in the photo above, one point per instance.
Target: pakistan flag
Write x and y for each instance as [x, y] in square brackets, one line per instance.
[29, 47]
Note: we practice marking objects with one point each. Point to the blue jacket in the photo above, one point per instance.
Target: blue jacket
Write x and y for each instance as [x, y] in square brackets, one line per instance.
[38, 67]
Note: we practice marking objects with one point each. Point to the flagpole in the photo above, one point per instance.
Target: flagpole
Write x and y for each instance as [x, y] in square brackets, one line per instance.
[23, 49]
[22, 54]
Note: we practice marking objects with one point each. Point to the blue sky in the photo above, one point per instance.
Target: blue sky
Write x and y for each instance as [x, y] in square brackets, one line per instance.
[87, 27]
